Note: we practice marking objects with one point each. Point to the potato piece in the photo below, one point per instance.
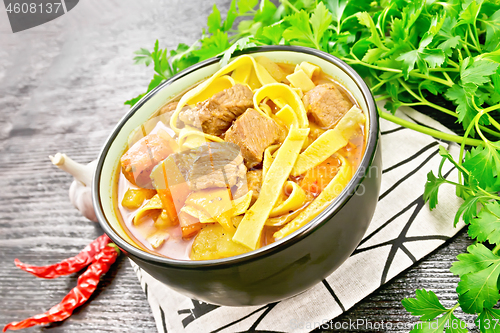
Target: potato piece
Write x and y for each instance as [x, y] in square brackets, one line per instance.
[158, 239]
[134, 198]
[214, 242]
[164, 221]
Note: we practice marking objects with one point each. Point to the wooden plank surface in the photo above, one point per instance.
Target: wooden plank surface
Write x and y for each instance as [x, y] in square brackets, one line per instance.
[62, 88]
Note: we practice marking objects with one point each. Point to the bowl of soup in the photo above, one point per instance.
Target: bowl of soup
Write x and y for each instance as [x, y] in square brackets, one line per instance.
[247, 183]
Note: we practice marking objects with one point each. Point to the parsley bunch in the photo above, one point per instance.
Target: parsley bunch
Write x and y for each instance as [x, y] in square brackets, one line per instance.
[440, 54]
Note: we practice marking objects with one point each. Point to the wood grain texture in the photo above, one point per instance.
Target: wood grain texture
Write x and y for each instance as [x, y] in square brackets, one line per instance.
[62, 88]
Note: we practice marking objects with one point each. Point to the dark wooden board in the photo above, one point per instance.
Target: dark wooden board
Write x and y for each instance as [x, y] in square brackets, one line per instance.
[62, 88]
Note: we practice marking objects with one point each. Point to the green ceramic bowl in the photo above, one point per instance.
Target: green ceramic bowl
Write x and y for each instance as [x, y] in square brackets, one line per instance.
[281, 269]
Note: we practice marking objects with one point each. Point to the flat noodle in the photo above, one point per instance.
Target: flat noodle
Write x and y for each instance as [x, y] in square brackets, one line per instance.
[240, 206]
[153, 204]
[268, 159]
[242, 74]
[323, 147]
[280, 93]
[190, 137]
[273, 68]
[188, 98]
[329, 142]
[217, 85]
[331, 191]
[308, 68]
[295, 200]
[249, 230]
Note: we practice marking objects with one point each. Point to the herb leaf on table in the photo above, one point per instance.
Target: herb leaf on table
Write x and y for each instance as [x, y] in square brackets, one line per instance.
[410, 53]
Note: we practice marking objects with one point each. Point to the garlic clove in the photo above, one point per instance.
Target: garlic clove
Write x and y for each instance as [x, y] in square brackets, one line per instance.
[81, 197]
[80, 193]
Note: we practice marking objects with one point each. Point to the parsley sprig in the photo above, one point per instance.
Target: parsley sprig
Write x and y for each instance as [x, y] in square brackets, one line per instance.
[444, 55]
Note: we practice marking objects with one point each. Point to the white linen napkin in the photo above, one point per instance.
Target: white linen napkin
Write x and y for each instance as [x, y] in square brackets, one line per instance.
[403, 230]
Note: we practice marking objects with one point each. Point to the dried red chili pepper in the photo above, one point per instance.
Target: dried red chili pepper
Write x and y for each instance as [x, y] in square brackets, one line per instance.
[87, 284]
[70, 265]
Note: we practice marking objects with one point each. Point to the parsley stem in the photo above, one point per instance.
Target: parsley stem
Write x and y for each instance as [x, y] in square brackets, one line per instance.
[444, 70]
[489, 131]
[447, 77]
[287, 3]
[492, 108]
[496, 249]
[359, 62]
[428, 131]
[454, 64]
[440, 108]
[462, 146]
[474, 37]
[432, 78]
[413, 73]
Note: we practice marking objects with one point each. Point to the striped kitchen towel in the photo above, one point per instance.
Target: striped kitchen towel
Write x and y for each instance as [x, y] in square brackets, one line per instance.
[403, 230]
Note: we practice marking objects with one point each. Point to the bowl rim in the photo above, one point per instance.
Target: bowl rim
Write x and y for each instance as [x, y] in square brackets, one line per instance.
[282, 244]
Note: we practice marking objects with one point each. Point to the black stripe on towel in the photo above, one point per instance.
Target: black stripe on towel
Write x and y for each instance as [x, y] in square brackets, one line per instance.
[271, 305]
[411, 173]
[397, 129]
[330, 290]
[409, 159]
[163, 322]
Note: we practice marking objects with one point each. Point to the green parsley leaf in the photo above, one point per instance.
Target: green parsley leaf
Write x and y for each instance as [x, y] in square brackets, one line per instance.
[134, 100]
[273, 33]
[431, 189]
[143, 57]
[320, 20]
[492, 27]
[425, 304]
[336, 7]
[479, 271]
[300, 33]
[489, 321]
[477, 72]
[366, 20]
[244, 6]
[463, 100]
[241, 44]
[468, 210]
[155, 82]
[398, 31]
[212, 46]
[214, 20]
[232, 14]
[448, 323]
[487, 224]
[423, 57]
[479, 161]
[266, 12]
[372, 55]
[469, 12]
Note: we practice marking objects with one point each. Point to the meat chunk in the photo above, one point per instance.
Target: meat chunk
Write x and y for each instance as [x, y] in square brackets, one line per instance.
[253, 133]
[138, 162]
[169, 108]
[254, 183]
[215, 115]
[216, 164]
[326, 104]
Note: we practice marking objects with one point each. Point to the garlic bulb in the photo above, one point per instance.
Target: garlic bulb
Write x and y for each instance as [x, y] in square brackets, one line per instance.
[80, 193]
